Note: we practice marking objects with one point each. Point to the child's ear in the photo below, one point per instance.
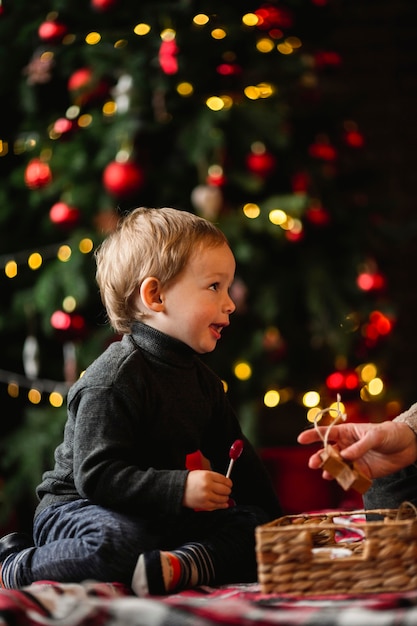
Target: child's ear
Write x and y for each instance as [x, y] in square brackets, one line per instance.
[150, 292]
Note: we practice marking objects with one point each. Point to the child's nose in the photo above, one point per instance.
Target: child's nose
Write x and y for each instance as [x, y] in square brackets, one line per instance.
[230, 305]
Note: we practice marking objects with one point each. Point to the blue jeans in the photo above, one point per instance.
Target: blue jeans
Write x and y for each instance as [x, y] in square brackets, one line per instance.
[76, 541]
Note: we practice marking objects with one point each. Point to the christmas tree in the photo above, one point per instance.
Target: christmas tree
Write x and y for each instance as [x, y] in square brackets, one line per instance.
[225, 109]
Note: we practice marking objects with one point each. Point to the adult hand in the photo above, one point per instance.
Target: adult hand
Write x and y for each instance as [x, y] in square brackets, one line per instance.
[377, 449]
[207, 490]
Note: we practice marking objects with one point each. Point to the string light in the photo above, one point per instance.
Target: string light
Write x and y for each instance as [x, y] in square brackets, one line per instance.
[272, 398]
[142, 29]
[93, 38]
[242, 370]
[201, 19]
[16, 381]
[251, 210]
[34, 259]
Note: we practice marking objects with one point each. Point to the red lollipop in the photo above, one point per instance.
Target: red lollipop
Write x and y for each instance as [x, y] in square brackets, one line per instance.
[234, 453]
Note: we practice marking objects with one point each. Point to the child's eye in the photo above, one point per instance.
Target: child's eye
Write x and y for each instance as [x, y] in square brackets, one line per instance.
[214, 286]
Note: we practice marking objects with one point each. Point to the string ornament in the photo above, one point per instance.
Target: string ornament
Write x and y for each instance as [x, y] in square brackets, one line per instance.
[345, 472]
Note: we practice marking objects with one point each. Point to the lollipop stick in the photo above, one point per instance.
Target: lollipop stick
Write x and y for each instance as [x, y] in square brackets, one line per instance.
[234, 453]
[229, 469]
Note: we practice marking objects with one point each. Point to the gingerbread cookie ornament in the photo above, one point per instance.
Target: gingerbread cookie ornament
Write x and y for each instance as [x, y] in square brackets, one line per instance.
[345, 472]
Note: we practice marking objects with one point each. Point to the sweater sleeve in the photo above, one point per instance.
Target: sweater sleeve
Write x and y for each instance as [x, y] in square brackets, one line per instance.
[409, 417]
[109, 460]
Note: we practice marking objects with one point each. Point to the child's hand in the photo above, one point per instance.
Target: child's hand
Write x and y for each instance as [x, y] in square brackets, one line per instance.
[207, 491]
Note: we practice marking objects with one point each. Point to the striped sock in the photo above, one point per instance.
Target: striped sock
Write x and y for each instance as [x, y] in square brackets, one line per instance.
[161, 572]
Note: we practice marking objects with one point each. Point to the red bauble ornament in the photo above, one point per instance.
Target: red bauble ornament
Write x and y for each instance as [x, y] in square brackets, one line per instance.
[52, 31]
[270, 16]
[168, 57]
[85, 88]
[327, 58]
[37, 174]
[68, 326]
[63, 127]
[103, 5]
[216, 179]
[323, 150]
[123, 179]
[318, 216]
[338, 381]
[300, 182]
[371, 281]
[262, 163]
[64, 215]
[354, 139]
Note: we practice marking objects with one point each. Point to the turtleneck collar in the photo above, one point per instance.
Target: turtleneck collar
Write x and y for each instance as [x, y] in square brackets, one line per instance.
[164, 347]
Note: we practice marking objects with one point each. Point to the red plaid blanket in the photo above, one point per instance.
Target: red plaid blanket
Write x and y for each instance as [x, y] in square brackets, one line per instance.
[101, 604]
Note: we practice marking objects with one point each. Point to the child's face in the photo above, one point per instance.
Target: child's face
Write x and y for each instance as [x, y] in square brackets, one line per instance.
[197, 304]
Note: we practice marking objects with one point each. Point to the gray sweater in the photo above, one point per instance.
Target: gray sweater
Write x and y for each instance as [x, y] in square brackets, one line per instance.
[409, 417]
[134, 415]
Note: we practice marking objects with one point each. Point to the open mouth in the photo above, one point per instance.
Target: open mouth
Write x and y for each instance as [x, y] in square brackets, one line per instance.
[217, 329]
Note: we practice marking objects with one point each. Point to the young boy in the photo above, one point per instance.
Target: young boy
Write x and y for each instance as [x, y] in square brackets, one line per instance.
[120, 503]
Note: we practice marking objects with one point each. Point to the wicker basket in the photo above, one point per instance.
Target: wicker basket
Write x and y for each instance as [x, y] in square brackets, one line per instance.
[303, 554]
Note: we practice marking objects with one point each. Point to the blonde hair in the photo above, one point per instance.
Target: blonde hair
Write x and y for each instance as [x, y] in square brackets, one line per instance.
[147, 242]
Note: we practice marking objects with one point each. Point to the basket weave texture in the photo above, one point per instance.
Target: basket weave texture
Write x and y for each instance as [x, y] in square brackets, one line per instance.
[303, 554]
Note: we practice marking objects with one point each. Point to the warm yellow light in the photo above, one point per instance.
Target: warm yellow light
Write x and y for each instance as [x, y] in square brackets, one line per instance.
[225, 386]
[250, 19]
[271, 398]
[109, 108]
[312, 414]
[68, 39]
[215, 103]
[294, 42]
[311, 399]
[368, 372]
[251, 210]
[4, 148]
[64, 253]
[285, 48]
[34, 396]
[120, 43]
[168, 34]
[85, 120]
[227, 102]
[72, 112]
[141, 29]
[201, 19]
[265, 45]
[86, 245]
[69, 304]
[11, 269]
[218, 33]
[265, 90]
[35, 261]
[215, 170]
[56, 399]
[296, 226]
[278, 217]
[288, 224]
[185, 89]
[93, 38]
[13, 389]
[251, 92]
[47, 56]
[375, 387]
[336, 408]
[242, 370]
